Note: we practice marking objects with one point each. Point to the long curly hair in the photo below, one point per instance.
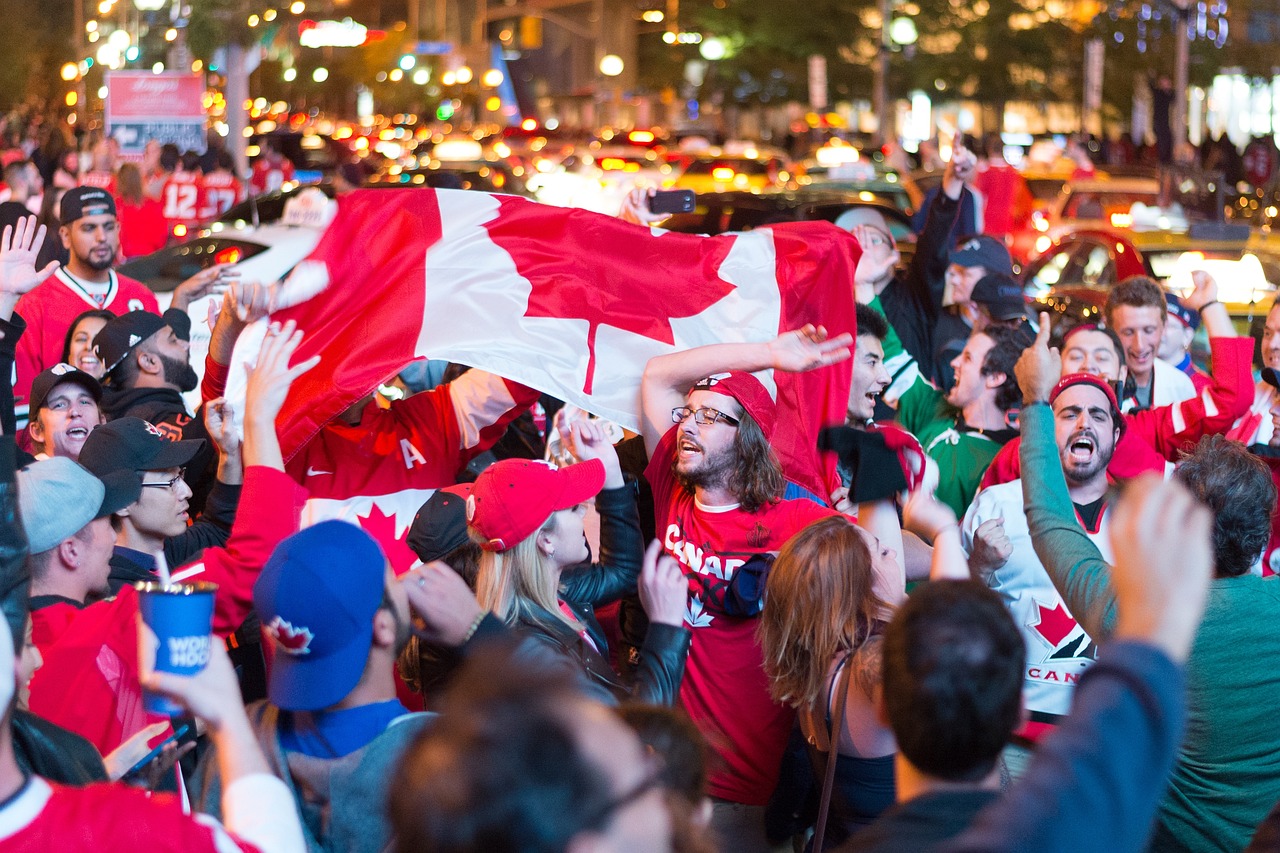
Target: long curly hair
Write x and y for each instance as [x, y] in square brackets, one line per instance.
[819, 603]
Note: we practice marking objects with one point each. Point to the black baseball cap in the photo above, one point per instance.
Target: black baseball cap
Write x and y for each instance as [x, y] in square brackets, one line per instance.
[1001, 295]
[132, 444]
[441, 524]
[49, 379]
[79, 202]
[121, 334]
[984, 251]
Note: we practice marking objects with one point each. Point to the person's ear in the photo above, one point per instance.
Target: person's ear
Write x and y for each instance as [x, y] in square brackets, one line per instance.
[545, 546]
[384, 628]
[65, 233]
[36, 430]
[995, 380]
[70, 553]
[149, 362]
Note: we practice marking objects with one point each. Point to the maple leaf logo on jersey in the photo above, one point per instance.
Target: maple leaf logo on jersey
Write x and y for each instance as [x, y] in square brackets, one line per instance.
[292, 641]
[695, 615]
[382, 528]
[619, 294]
[1055, 625]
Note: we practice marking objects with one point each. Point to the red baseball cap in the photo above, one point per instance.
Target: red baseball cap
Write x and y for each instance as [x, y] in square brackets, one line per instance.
[750, 393]
[512, 498]
[1098, 382]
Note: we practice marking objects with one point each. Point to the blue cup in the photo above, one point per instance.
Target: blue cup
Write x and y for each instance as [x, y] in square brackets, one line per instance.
[174, 624]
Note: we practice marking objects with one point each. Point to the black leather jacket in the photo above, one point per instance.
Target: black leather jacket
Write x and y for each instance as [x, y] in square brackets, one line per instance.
[665, 647]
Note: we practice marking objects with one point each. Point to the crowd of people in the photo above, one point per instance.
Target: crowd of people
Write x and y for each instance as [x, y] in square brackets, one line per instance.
[978, 641]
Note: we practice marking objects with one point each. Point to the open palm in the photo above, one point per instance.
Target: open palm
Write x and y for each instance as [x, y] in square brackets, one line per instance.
[19, 247]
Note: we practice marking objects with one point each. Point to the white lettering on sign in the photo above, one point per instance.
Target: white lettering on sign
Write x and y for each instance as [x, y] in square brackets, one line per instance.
[188, 652]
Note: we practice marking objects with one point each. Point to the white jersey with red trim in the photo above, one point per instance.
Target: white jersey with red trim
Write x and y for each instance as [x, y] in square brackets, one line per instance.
[379, 472]
[1058, 649]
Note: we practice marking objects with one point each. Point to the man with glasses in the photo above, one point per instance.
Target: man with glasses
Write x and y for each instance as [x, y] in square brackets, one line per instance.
[717, 489]
[159, 519]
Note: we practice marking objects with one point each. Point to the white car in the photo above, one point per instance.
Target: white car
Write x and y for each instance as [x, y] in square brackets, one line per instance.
[599, 179]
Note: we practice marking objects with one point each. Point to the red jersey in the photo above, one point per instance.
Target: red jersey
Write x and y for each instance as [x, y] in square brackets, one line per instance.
[725, 689]
[181, 200]
[1008, 203]
[50, 309]
[378, 473]
[269, 178]
[220, 190]
[143, 229]
[101, 180]
[45, 816]
[89, 680]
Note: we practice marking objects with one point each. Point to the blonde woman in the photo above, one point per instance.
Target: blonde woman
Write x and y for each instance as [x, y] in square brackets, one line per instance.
[537, 576]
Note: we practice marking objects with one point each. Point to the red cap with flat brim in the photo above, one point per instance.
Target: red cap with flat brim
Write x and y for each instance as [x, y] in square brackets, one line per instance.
[512, 498]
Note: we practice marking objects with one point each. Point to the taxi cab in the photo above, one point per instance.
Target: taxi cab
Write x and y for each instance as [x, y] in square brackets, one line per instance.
[718, 170]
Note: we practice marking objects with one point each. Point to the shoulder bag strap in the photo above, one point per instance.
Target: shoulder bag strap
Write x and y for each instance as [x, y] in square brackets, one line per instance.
[834, 728]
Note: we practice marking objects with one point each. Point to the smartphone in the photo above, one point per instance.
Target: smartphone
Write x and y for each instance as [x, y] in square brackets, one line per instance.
[151, 756]
[672, 201]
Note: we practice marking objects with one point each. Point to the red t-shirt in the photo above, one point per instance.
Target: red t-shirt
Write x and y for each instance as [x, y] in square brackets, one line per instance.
[1008, 202]
[181, 198]
[268, 178]
[143, 228]
[220, 191]
[725, 690]
[46, 816]
[101, 180]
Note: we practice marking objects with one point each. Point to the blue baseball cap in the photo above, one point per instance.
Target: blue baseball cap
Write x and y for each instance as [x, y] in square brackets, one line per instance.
[317, 597]
[1189, 318]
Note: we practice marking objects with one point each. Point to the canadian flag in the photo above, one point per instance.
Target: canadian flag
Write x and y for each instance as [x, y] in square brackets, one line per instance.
[567, 301]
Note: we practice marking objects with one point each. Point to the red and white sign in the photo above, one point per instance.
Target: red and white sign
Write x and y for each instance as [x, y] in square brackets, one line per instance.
[168, 107]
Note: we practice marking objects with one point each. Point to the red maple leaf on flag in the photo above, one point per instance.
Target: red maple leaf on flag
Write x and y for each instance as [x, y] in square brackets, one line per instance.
[382, 528]
[294, 641]
[636, 290]
[1054, 625]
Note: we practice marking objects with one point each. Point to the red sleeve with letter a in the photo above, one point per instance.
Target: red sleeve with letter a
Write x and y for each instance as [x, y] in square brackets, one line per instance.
[458, 421]
[270, 510]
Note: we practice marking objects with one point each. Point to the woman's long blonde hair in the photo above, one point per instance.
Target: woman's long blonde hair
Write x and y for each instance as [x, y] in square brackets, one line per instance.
[819, 603]
[518, 583]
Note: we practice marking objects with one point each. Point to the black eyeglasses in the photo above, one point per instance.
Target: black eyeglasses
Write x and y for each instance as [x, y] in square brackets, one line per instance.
[704, 416]
[653, 778]
[167, 484]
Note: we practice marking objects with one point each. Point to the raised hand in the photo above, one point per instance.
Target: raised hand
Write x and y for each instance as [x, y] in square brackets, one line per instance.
[208, 281]
[991, 547]
[1205, 290]
[635, 208]
[664, 592]
[808, 348]
[220, 422]
[19, 247]
[1039, 367]
[271, 377]
[588, 439]
[443, 605]
[1162, 540]
[878, 259]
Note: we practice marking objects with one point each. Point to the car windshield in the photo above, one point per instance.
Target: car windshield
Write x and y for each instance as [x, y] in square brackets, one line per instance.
[1097, 204]
[739, 166]
[164, 270]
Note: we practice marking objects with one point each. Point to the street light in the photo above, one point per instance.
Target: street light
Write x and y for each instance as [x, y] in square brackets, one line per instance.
[611, 65]
[320, 74]
[492, 78]
[713, 49]
[463, 75]
[69, 71]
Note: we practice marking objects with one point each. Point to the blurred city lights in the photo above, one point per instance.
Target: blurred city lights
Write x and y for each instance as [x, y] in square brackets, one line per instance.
[611, 65]
[320, 74]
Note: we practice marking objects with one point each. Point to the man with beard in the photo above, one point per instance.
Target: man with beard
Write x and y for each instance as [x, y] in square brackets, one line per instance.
[717, 489]
[1087, 425]
[331, 726]
[1155, 439]
[146, 358]
[90, 233]
[963, 429]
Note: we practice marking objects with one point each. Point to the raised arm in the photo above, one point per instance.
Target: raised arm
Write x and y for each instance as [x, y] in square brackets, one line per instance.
[1072, 561]
[667, 378]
